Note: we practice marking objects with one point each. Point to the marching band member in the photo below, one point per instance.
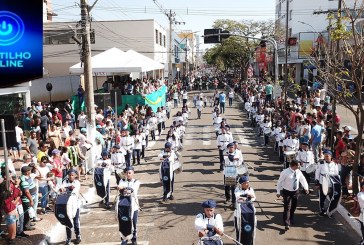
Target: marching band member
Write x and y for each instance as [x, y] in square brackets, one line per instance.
[288, 187]
[267, 125]
[164, 117]
[182, 131]
[105, 165]
[127, 143]
[144, 135]
[160, 119]
[199, 106]
[152, 122]
[118, 161]
[138, 139]
[217, 122]
[208, 224]
[305, 158]
[326, 167]
[276, 131]
[231, 159]
[290, 144]
[281, 137]
[242, 193]
[259, 121]
[360, 199]
[166, 172]
[72, 186]
[129, 182]
[222, 141]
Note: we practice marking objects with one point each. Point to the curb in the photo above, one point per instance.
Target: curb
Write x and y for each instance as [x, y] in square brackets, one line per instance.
[351, 220]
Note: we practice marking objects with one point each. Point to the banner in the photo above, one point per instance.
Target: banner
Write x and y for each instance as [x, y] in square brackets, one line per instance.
[21, 41]
[312, 44]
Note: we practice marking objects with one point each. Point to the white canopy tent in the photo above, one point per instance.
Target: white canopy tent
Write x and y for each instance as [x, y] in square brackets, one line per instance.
[115, 60]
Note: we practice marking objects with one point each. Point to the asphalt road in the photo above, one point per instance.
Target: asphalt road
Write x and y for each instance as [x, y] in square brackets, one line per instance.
[173, 223]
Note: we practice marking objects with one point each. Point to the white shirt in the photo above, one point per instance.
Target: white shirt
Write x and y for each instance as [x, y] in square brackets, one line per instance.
[18, 133]
[127, 143]
[76, 184]
[305, 158]
[223, 140]
[43, 171]
[199, 105]
[201, 222]
[231, 94]
[134, 184]
[291, 144]
[185, 96]
[82, 120]
[360, 197]
[286, 180]
[326, 169]
[118, 157]
[138, 139]
[238, 192]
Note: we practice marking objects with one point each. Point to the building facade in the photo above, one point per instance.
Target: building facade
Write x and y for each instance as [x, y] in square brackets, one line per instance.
[62, 50]
[308, 26]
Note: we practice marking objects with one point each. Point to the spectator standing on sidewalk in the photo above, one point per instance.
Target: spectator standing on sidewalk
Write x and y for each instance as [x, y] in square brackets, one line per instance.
[222, 100]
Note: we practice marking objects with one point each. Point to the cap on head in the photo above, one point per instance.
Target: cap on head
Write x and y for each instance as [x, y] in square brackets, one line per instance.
[128, 168]
[230, 145]
[55, 151]
[116, 147]
[327, 152]
[168, 145]
[104, 153]
[83, 130]
[304, 143]
[209, 204]
[243, 179]
[347, 128]
[72, 170]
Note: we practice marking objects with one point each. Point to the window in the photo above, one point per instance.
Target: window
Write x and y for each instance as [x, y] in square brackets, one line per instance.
[160, 39]
[54, 37]
[156, 36]
[164, 40]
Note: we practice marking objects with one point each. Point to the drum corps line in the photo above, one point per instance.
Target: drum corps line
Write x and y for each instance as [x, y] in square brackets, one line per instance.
[298, 169]
[118, 162]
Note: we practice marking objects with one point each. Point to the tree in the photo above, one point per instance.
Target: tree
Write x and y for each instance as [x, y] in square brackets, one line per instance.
[341, 67]
[236, 52]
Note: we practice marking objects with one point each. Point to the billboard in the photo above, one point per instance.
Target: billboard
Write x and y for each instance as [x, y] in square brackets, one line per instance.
[312, 43]
[21, 41]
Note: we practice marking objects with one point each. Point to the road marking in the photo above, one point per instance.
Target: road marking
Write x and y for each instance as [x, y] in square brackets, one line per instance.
[97, 226]
[115, 243]
[206, 136]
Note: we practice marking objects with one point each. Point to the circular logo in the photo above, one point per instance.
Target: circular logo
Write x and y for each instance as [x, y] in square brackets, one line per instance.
[99, 183]
[61, 216]
[11, 28]
[165, 178]
[247, 228]
[124, 218]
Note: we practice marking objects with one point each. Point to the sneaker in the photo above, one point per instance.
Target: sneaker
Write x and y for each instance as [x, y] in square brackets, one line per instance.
[37, 219]
[108, 207]
[78, 240]
[22, 235]
[171, 197]
[48, 209]
[286, 227]
[164, 200]
[67, 242]
[43, 211]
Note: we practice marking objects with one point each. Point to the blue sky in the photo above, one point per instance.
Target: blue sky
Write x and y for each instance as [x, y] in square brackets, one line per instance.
[197, 14]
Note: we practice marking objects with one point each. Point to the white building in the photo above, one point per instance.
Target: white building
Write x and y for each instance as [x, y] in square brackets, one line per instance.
[306, 20]
[62, 51]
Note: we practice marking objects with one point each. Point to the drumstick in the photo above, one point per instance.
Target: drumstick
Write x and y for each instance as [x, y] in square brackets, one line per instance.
[83, 197]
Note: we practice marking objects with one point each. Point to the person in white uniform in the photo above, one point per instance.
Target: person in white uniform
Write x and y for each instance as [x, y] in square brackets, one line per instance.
[305, 158]
[360, 199]
[222, 141]
[208, 224]
[132, 184]
[326, 168]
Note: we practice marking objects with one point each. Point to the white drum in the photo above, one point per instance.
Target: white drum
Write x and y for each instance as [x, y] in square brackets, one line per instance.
[177, 167]
[325, 184]
[242, 170]
[231, 174]
[290, 155]
[311, 168]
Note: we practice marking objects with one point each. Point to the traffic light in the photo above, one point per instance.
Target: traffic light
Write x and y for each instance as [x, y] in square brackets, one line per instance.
[215, 35]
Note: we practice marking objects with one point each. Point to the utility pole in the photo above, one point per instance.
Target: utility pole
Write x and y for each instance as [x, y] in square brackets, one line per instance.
[286, 61]
[87, 70]
[170, 16]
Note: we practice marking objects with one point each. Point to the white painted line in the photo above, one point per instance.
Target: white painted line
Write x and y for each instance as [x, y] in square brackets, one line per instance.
[148, 195]
[115, 243]
[206, 142]
[96, 226]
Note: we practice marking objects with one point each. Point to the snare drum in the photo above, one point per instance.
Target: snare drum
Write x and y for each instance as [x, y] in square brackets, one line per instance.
[242, 170]
[231, 175]
[290, 155]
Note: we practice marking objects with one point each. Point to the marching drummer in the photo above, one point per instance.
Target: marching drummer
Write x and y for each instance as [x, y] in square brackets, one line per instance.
[209, 224]
[166, 172]
[118, 161]
[360, 199]
[105, 163]
[231, 159]
[133, 184]
[290, 145]
[72, 186]
[305, 158]
[222, 141]
[243, 193]
[326, 168]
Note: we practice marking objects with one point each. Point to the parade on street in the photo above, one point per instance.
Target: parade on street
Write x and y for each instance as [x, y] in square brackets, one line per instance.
[243, 127]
